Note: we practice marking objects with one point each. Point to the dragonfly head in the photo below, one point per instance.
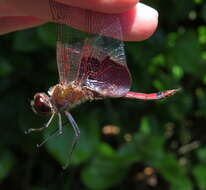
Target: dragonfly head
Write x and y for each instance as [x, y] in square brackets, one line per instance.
[41, 104]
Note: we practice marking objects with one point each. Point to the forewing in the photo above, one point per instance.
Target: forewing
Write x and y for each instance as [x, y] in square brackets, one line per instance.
[69, 42]
[95, 61]
[69, 45]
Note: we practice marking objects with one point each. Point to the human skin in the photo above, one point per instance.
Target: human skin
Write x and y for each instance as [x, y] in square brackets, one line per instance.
[138, 21]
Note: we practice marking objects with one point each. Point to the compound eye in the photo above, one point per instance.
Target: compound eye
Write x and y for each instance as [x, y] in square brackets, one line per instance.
[41, 104]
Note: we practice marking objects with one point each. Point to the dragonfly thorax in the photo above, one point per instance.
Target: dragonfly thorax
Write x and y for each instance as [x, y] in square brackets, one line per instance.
[66, 96]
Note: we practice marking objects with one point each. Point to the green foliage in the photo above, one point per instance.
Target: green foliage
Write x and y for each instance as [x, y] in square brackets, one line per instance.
[107, 169]
[59, 146]
[6, 163]
[121, 140]
[199, 173]
[5, 67]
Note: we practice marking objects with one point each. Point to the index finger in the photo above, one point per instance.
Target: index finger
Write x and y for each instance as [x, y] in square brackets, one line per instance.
[137, 24]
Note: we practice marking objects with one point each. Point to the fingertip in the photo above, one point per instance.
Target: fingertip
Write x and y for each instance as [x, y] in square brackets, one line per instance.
[139, 23]
[148, 20]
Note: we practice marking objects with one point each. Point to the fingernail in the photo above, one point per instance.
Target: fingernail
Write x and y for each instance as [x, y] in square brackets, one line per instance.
[149, 11]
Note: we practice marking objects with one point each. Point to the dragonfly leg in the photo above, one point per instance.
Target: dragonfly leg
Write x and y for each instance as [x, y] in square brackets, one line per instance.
[57, 132]
[60, 123]
[77, 135]
[41, 128]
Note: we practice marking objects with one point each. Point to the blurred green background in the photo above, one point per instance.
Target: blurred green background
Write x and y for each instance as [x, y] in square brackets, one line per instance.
[125, 144]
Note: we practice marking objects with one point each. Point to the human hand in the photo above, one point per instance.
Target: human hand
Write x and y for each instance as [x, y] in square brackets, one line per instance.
[138, 20]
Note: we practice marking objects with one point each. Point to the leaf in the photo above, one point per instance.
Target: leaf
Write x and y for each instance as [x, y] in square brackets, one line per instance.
[6, 163]
[60, 146]
[103, 173]
[5, 67]
[177, 71]
[47, 33]
[202, 34]
[199, 173]
[173, 172]
[187, 54]
[201, 153]
[26, 41]
[144, 126]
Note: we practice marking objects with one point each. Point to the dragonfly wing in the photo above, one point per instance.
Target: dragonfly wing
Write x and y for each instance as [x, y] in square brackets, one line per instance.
[69, 45]
[69, 42]
[95, 61]
[103, 65]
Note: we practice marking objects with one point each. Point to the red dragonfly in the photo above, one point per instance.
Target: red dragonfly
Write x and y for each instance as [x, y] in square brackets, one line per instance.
[91, 66]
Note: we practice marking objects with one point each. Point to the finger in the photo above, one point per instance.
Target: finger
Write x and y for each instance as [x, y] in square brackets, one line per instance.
[109, 6]
[12, 19]
[137, 24]
[8, 11]
[10, 24]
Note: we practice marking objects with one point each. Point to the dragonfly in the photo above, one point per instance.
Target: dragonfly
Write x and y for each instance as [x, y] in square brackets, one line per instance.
[91, 66]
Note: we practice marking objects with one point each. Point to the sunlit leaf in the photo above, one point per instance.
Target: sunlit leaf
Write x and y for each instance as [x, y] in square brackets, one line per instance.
[198, 1]
[202, 34]
[177, 71]
[144, 126]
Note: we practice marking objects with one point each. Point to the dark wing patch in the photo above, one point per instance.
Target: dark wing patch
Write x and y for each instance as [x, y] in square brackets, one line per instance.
[106, 76]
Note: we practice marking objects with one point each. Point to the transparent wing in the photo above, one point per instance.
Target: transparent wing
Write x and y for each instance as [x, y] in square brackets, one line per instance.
[95, 61]
[69, 42]
[103, 65]
[69, 47]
